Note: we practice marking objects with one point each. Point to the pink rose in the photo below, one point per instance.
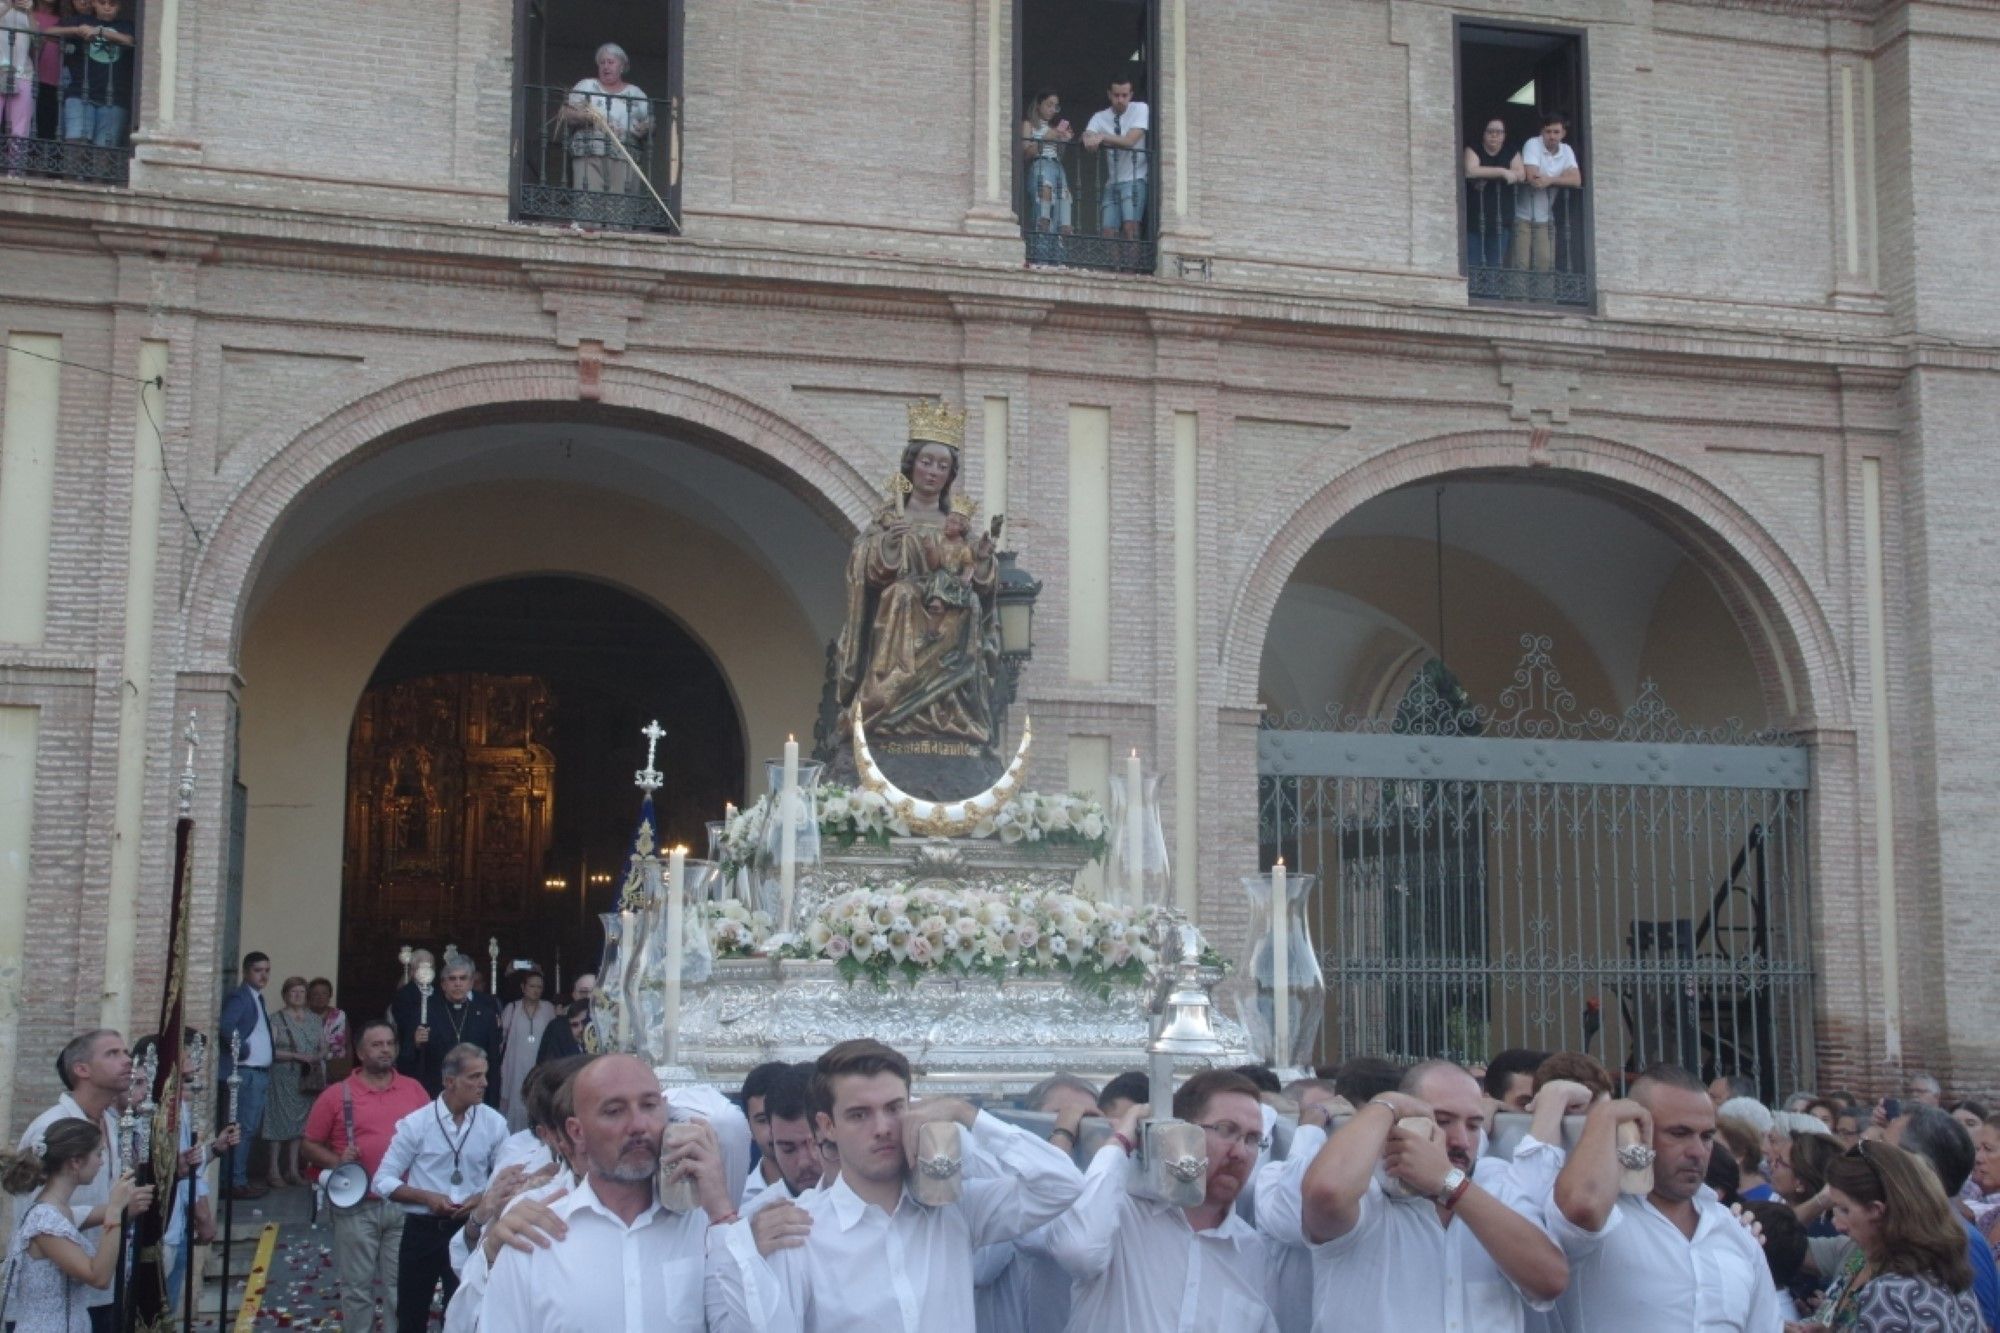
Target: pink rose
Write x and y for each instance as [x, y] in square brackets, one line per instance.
[836, 948]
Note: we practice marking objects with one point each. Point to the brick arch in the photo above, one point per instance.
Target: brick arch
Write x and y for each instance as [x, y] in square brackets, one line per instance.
[251, 516]
[1782, 620]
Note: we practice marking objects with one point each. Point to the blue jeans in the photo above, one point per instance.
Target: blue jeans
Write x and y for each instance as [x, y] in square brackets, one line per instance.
[87, 122]
[1123, 201]
[250, 1097]
[1488, 250]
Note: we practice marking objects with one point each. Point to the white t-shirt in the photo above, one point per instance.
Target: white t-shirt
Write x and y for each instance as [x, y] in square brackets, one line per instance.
[1126, 164]
[1538, 205]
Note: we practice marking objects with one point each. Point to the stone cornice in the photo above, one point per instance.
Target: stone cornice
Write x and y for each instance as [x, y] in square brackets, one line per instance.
[908, 288]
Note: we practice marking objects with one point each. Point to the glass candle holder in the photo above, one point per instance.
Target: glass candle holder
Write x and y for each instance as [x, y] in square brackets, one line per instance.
[1137, 872]
[1283, 1000]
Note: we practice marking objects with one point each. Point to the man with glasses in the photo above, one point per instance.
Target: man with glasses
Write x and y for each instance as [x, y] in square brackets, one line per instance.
[1141, 1263]
[1672, 1258]
[1401, 1234]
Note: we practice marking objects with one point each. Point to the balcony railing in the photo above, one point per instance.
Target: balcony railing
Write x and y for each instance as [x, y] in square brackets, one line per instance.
[54, 159]
[1084, 209]
[572, 169]
[1523, 244]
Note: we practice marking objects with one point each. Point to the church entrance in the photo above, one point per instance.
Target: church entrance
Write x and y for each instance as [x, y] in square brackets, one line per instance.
[489, 775]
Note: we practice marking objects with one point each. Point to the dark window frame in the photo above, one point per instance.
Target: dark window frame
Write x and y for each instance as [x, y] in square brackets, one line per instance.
[1579, 118]
[1016, 95]
[675, 98]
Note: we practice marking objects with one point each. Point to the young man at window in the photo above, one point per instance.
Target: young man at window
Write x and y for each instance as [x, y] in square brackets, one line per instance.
[1120, 129]
[1549, 165]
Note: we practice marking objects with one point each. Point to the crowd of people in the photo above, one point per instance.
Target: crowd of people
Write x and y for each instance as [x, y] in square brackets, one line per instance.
[505, 1176]
[66, 73]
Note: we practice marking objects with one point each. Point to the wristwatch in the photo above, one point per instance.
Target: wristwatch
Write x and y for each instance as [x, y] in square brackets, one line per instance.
[1454, 1184]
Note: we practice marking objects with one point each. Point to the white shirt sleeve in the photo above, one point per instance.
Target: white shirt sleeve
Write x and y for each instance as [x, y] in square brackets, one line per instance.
[401, 1156]
[1038, 1181]
[741, 1291]
[1280, 1207]
[1574, 1239]
[508, 1306]
[1083, 1238]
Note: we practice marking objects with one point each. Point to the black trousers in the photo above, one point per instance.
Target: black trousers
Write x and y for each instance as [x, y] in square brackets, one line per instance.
[423, 1261]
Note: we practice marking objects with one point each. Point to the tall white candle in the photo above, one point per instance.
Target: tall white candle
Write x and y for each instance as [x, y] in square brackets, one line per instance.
[1281, 971]
[788, 834]
[739, 883]
[676, 947]
[1135, 835]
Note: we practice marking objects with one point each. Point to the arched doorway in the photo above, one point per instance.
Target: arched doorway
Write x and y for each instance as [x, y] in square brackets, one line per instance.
[1523, 737]
[742, 554]
[489, 775]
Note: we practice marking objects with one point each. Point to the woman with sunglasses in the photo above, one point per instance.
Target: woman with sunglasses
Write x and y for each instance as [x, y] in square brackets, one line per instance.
[1907, 1272]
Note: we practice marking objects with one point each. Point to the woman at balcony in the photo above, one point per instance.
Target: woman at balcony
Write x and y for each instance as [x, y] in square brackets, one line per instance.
[600, 115]
[1491, 172]
[1048, 183]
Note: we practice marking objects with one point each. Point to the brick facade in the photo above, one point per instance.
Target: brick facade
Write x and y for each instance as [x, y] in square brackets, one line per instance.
[323, 243]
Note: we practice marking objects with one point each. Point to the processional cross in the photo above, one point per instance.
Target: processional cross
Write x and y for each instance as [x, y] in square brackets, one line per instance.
[650, 778]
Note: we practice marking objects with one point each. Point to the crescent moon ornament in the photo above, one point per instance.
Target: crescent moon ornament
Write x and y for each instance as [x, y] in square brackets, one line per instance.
[941, 819]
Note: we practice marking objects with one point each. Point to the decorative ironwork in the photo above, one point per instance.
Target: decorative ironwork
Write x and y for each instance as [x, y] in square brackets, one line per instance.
[1535, 705]
[1510, 876]
[1073, 201]
[57, 159]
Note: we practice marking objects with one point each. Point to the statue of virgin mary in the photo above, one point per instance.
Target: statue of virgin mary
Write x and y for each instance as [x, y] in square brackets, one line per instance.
[920, 648]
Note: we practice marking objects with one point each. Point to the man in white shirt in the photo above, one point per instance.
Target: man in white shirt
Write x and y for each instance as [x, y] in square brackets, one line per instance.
[96, 1071]
[626, 1264]
[792, 1152]
[756, 1085]
[863, 1253]
[437, 1169]
[1120, 131]
[1550, 165]
[1143, 1264]
[1402, 1235]
[1672, 1259]
[1020, 1287]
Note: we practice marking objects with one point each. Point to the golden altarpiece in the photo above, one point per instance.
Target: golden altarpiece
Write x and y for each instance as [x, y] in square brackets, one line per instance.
[450, 806]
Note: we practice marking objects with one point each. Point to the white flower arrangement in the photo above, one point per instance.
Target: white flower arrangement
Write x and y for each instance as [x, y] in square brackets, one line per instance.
[851, 815]
[908, 932]
[734, 930]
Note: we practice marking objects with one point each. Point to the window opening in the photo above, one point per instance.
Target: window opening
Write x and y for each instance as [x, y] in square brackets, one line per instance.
[1524, 241]
[1085, 170]
[598, 129]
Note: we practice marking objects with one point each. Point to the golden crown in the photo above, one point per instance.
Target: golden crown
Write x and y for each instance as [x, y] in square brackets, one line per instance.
[937, 423]
[964, 504]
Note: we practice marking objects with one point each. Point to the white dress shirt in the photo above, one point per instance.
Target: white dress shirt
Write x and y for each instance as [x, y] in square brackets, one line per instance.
[1141, 1268]
[524, 1150]
[908, 1270]
[468, 1261]
[429, 1146]
[1398, 1268]
[1288, 1274]
[257, 1052]
[604, 1276]
[1020, 1289]
[754, 1187]
[91, 1193]
[1641, 1275]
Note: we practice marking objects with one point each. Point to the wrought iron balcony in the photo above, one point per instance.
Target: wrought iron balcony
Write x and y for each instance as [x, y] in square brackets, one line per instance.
[1527, 245]
[1081, 208]
[587, 160]
[55, 159]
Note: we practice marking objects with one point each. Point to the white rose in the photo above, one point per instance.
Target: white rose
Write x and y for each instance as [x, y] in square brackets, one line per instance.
[1091, 825]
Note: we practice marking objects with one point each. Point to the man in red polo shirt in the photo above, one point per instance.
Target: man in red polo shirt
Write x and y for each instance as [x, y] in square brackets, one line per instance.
[367, 1236]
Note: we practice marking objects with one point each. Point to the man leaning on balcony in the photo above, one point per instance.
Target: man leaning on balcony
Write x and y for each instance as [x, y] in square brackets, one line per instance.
[1550, 165]
[1121, 129]
[598, 111]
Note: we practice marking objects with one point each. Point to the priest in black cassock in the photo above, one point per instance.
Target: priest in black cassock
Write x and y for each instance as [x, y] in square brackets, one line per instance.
[427, 1030]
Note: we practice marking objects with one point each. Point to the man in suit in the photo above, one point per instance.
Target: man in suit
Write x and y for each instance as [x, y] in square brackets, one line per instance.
[244, 1015]
[454, 1016]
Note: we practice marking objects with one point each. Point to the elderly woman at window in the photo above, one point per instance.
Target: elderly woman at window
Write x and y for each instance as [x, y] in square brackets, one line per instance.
[600, 114]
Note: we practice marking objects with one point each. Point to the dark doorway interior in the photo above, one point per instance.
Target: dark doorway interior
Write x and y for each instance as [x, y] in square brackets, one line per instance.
[490, 789]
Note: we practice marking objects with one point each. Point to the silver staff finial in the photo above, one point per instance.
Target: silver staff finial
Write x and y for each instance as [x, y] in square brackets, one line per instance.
[649, 777]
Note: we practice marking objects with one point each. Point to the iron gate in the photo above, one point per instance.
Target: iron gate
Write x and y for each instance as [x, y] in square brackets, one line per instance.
[1534, 875]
